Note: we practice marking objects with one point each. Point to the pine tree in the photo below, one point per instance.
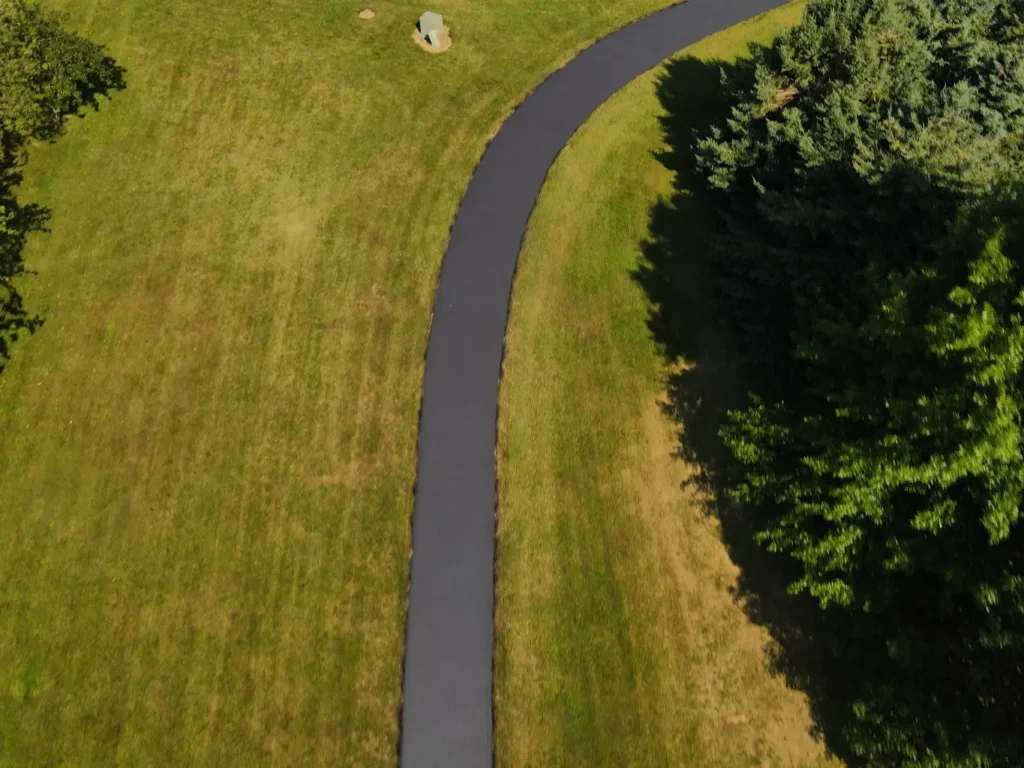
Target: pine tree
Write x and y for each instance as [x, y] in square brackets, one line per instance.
[868, 268]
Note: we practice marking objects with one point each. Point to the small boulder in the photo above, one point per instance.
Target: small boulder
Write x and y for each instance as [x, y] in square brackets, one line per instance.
[431, 22]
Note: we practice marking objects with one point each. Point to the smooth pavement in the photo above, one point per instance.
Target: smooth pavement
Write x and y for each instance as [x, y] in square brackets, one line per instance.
[447, 716]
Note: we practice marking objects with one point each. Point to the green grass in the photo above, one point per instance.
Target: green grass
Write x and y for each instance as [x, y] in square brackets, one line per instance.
[619, 640]
[209, 447]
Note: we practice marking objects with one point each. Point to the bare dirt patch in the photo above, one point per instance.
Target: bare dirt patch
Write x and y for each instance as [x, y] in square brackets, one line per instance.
[366, 14]
[421, 41]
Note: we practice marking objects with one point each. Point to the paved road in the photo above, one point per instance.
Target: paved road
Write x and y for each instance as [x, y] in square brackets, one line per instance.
[447, 711]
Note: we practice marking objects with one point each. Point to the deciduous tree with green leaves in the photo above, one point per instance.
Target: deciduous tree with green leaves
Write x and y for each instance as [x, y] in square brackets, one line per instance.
[47, 74]
[868, 267]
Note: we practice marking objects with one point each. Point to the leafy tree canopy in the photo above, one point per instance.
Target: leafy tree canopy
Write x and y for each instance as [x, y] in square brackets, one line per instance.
[867, 264]
[47, 74]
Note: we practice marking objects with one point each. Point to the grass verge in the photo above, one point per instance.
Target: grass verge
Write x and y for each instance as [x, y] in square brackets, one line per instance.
[209, 447]
[619, 637]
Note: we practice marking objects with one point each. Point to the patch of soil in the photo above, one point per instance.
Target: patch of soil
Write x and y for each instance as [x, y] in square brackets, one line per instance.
[421, 41]
[366, 15]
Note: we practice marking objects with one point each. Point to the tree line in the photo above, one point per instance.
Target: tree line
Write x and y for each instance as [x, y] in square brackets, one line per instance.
[47, 74]
[867, 267]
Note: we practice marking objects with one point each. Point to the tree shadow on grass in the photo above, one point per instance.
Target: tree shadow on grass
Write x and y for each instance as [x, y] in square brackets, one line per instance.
[860, 693]
[19, 220]
[676, 274]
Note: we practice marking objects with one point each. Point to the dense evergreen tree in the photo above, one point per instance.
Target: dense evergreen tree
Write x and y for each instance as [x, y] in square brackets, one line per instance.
[46, 75]
[868, 126]
[868, 267]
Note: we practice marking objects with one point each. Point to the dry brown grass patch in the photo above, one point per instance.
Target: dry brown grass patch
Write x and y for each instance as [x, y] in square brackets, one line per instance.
[705, 632]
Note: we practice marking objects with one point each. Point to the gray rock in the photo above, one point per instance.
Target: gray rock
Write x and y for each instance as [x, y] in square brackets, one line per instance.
[431, 22]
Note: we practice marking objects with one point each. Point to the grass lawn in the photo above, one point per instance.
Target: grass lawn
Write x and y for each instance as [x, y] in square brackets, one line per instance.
[209, 447]
[619, 639]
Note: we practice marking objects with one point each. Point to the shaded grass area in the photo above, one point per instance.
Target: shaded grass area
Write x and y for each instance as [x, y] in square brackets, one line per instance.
[209, 446]
[621, 635]
[863, 702]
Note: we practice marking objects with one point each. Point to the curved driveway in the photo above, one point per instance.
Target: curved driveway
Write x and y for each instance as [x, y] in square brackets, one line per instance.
[447, 706]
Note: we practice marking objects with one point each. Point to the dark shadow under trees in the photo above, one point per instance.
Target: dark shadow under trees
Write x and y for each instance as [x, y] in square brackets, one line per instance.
[17, 221]
[677, 276]
[858, 696]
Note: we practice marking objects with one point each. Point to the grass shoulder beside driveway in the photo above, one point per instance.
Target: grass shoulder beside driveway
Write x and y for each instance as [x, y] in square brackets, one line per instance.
[619, 640]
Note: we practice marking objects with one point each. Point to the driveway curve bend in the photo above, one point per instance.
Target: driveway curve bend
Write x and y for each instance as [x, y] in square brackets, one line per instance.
[447, 716]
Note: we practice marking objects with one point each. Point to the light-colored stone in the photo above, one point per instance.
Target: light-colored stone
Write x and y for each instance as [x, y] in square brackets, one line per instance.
[431, 22]
[367, 14]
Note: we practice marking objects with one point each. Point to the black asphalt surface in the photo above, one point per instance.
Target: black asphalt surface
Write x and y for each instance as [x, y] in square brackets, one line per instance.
[447, 691]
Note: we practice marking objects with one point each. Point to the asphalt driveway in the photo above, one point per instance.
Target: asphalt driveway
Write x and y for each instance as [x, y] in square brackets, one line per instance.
[447, 717]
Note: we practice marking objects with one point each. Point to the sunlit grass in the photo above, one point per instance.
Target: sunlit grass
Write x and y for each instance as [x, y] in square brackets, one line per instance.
[619, 641]
[209, 447]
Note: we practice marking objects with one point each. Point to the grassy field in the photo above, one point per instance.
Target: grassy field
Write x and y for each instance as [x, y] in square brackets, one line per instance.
[619, 638]
[209, 447]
